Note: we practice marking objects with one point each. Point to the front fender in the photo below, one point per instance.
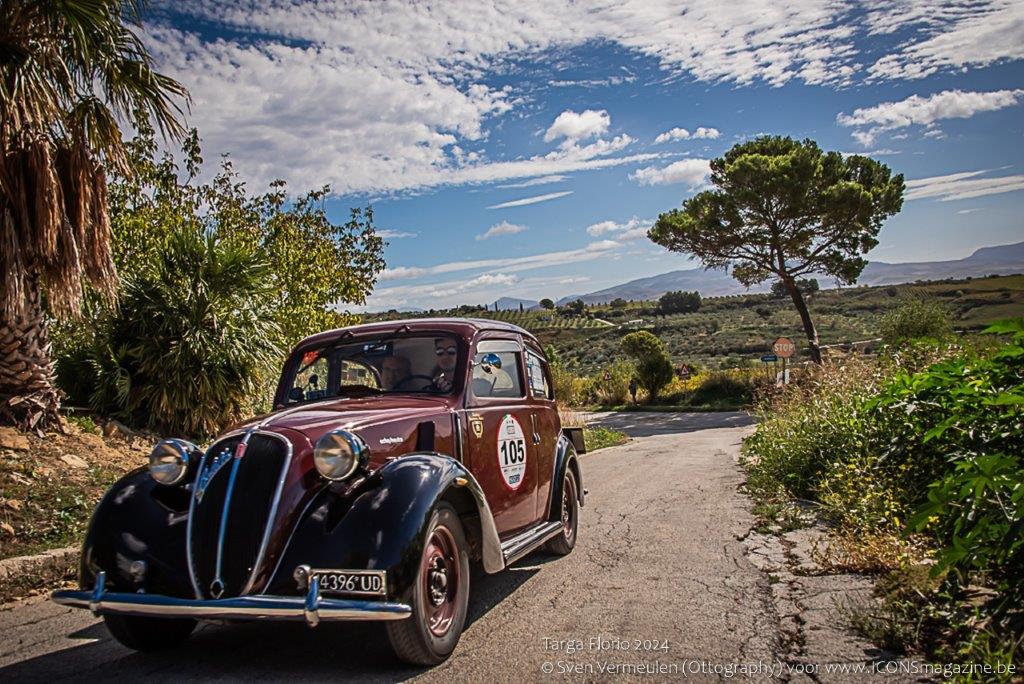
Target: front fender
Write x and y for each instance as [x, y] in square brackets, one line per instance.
[383, 525]
[139, 520]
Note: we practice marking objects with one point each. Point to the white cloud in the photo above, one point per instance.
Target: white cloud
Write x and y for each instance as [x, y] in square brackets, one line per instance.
[673, 134]
[633, 229]
[490, 279]
[925, 111]
[387, 96]
[524, 263]
[503, 228]
[531, 200]
[394, 234]
[963, 185]
[575, 126]
[692, 172]
[684, 134]
[954, 35]
[543, 180]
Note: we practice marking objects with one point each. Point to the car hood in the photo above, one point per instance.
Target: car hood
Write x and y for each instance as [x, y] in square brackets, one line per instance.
[315, 418]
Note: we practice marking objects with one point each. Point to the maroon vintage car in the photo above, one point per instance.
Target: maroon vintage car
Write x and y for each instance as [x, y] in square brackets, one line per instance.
[398, 453]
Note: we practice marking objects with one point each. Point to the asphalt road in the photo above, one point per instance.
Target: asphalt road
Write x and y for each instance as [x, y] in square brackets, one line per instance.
[659, 560]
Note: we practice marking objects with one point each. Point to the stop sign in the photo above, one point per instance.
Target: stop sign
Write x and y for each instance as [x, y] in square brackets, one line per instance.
[784, 347]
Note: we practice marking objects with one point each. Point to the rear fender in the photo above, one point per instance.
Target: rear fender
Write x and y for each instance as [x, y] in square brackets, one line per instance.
[565, 458]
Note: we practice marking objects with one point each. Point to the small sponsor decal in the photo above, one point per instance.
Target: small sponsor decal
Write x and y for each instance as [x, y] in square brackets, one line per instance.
[391, 440]
[476, 421]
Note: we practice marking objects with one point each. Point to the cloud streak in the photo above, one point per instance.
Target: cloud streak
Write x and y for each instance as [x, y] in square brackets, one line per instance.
[963, 185]
[531, 200]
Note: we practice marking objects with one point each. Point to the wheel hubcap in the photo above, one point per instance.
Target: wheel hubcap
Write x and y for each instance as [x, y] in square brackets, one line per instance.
[568, 494]
[440, 573]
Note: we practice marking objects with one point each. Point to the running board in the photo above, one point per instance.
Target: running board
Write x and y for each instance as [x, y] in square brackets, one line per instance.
[525, 542]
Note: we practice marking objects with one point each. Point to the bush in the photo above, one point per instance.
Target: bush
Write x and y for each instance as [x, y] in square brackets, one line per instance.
[653, 365]
[960, 430]
[921, 448]
[610, 386]
[915, 318]
[192, 340]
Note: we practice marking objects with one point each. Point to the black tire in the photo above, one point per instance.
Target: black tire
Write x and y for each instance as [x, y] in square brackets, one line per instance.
[564, 543]
[413, 639]
[147, 633]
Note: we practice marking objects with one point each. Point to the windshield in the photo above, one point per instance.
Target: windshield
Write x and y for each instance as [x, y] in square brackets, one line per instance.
[390, 364]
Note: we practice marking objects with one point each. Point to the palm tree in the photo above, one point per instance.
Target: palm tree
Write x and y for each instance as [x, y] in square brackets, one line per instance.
[72, 71]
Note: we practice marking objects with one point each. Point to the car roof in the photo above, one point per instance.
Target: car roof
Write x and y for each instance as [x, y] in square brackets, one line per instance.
[463, 327]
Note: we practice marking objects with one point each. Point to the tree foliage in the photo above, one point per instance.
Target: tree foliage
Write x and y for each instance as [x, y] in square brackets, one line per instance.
[547, 304]
[653, 365]
[784, 209]
[679, 302]
[806, 286]
[313, 263]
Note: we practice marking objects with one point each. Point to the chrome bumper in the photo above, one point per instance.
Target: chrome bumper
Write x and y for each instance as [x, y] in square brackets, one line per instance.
[313, 608]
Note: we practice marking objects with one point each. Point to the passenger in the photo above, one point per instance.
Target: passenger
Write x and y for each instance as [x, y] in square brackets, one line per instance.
[393, 370]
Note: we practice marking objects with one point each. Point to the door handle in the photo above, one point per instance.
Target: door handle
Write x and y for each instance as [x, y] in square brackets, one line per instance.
[533, 424]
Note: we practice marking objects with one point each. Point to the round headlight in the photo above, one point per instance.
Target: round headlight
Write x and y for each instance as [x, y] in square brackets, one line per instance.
[339, 454]
[168, 462]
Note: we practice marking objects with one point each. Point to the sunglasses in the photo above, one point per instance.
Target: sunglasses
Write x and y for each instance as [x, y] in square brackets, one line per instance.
[441, 351]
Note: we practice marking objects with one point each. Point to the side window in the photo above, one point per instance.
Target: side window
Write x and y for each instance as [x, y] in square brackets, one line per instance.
[537, 376]
[500, 379]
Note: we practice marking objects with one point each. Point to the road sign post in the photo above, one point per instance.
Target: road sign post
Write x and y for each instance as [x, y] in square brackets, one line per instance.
[784, 348]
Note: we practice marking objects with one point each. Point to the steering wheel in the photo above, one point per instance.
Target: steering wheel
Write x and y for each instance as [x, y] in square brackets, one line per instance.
[428, 378]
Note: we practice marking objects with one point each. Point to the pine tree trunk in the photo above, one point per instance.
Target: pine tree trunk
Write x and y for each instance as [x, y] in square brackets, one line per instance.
[28, 397]
[805, 318]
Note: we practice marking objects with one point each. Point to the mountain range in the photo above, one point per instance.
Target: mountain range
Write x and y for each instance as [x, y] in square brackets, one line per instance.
[1002, 259]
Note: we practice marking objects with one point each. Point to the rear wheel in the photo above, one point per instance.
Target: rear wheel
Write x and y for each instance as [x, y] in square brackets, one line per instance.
[147, 633]
[566, 539]
[439, 596]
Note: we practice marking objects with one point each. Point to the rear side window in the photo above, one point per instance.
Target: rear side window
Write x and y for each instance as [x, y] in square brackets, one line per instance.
[496, 380]
[537, 375]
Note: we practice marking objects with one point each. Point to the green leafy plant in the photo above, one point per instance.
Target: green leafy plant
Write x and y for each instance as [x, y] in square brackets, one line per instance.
[916, 318]
[191, 340]
[964, 419]
[653, 365]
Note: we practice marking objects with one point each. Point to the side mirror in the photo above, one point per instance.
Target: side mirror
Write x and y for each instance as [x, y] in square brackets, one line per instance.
[296, 394]
[490, 361]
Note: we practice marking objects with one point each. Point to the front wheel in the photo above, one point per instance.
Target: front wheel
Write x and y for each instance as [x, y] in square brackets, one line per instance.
[147, 633]
[564, 542]
[439, 596]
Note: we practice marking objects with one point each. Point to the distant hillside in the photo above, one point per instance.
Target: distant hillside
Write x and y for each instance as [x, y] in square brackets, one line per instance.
[512, 304]
[1004, 259]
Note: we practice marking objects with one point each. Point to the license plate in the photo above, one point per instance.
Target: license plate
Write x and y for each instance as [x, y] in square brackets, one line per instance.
[352, 582]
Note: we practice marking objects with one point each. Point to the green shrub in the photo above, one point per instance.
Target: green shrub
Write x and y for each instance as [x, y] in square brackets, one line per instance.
[191, 341]
[961, 426]
[915, 318]
[723, 387]
[610, 386]
[653, 365]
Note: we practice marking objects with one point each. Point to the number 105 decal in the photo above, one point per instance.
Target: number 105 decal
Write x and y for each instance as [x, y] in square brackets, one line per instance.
[511, 451]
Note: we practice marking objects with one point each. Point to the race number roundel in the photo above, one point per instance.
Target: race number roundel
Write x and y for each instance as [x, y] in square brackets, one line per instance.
[511, 451]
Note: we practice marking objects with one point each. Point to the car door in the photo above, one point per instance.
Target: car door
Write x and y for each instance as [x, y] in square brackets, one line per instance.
[544, 422]
[502, 455]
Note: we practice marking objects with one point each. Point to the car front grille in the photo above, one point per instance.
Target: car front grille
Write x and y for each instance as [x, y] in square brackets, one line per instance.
[229, 517]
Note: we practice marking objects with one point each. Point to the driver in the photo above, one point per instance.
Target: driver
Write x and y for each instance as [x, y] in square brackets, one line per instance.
[447, 352]
[393, 370]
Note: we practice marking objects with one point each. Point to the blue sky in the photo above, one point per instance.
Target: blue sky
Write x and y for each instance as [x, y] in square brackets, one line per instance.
[523, 148]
